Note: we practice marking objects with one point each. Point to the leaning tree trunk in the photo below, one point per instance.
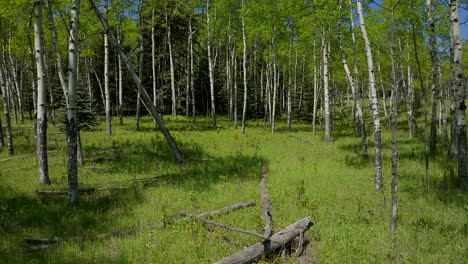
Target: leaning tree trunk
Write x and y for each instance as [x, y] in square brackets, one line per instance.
[145, 97]
[459, 93]
[41, 132]
[72, 130]
[355, 91]
[58, 55]
[244, 65]
[374, 102]
[434, 80]
[210, 65]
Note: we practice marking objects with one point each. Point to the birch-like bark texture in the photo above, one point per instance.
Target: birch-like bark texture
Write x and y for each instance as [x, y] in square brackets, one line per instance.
[6, 111]
[171, 65]
[58, 56]
[153, 56]
[326, 95]
[354, 90]
[434, 81]
[145, 97]
[210, 64]
[374, 102]
[2, 140]
[119, 64]
[140, 66]
[410, 95]
[459, 93]
[289, 81]
[41, 127]
[106, 80]
[72, 130]
[314, 109]
[244, 65]
[192, 85]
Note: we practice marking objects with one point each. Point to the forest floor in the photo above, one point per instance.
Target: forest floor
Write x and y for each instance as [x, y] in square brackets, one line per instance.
[328, 181]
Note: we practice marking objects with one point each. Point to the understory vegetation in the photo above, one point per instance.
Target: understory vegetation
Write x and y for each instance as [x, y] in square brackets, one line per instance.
[328, 181]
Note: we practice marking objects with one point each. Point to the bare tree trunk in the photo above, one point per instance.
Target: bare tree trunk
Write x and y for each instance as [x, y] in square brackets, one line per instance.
[434, 80]
[171, 64]
[374, 102]
[192, 85]
[314, 109]
[355, 91]
[410, 98]
[275, 85]
[106, 80]
[459, 93]
[443, 117]
[2, 140]
[119, 64]
[326, 95]
[41, 132]
[244, 109]
[140, 66]
[58, 55]
[153, 56]
[6, 111]
[210, 64]
[289, 81]
[234, 59]
[72, 130]
[145, 97]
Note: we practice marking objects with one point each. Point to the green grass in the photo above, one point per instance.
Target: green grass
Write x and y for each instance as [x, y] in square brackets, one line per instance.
[327, 181]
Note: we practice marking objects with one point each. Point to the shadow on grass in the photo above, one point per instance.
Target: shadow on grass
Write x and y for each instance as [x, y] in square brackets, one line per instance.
[28, 215]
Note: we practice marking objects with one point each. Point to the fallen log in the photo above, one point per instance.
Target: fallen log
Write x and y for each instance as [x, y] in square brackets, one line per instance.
[204, 159]
[40, 243]
[278, 240]
[103, 159]
[24, 156]
[301, 139]
[83, 190]
[266, 204]
[228, 209]
[223, 225]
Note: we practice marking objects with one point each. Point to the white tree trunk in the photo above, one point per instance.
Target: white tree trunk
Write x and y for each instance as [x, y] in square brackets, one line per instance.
[326, 96]
[210, 64]
[41, 132]
[244, 109]
[171, 65]
[374, 102]
[106, 82]
[72, 130]
[459, 93]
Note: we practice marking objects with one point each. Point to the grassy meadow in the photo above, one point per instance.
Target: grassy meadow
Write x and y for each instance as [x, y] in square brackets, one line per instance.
[327, 181]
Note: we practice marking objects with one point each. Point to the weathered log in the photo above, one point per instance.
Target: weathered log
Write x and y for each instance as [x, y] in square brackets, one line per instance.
[301, 139]
[281, 238]
[24, 156]
[266, 204]
[228, 209]
[103, 159]
[40, 243]
[204, 159]
[83, 190]
[223, 225]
